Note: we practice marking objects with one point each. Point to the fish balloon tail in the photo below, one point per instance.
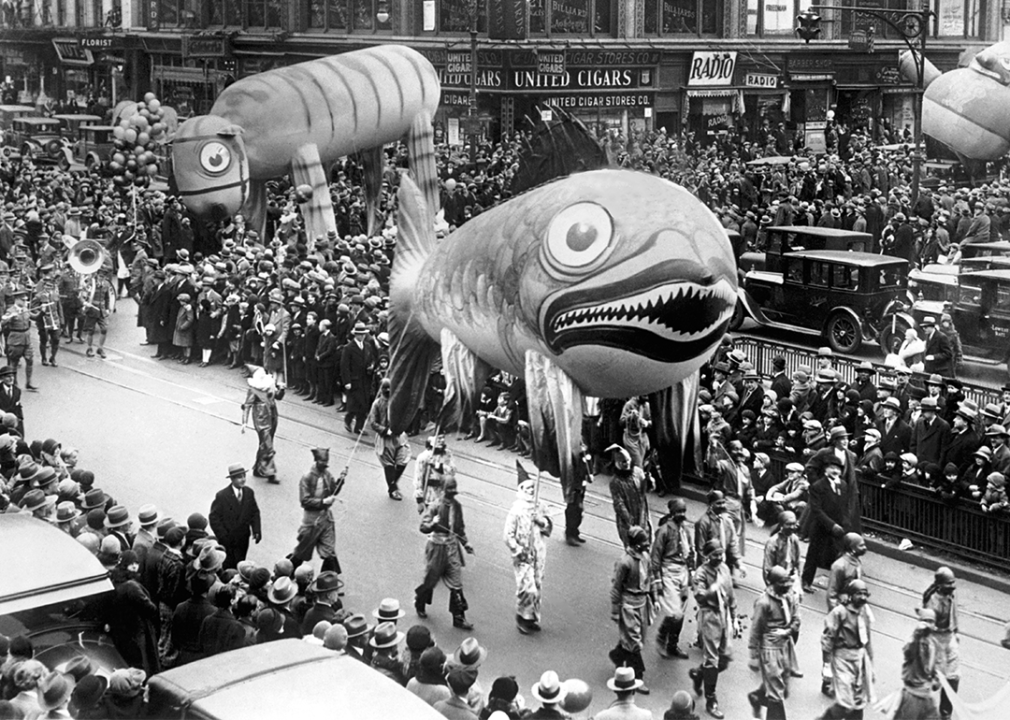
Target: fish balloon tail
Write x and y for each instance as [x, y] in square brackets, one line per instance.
[421, 154]
[558, 148]
[675, 420]
[413, 351]
[371, 160]
[555, 411]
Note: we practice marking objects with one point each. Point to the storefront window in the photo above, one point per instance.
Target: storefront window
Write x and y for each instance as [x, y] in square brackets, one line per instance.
[570, 16]
[537, 17]
[277, 14]
[771, 17]
[255, 13]
[959, 18]
[362, 14]
[226, 12]
[682, 17]
[603, 12]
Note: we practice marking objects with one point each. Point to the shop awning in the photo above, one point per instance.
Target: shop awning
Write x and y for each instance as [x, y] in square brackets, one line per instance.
[180, 74]
[734, 95]
[71, 53]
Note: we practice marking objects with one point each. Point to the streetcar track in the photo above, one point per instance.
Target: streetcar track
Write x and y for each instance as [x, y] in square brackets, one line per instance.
[372, 463]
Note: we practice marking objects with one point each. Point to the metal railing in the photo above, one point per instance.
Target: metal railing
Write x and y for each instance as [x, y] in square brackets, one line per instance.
[761, 353]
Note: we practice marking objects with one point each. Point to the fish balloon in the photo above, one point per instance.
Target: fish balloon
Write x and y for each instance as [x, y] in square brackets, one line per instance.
[609, 283]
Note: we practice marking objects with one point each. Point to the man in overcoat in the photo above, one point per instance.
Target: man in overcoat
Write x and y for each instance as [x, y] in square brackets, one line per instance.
[234, 516]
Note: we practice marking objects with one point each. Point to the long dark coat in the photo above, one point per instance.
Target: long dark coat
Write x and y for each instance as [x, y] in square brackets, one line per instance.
[133, 626]
[827, 509]
[157, 314]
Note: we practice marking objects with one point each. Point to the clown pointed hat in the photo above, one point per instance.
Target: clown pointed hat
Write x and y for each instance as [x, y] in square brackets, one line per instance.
[522, 474]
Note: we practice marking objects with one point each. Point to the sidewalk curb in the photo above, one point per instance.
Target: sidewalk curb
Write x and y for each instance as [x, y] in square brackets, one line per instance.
[918, 558]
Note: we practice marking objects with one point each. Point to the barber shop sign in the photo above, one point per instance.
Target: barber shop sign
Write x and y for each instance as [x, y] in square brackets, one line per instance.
[710, 68]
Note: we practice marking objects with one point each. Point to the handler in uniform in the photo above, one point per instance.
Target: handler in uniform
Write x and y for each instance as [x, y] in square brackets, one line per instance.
[713, 591]
[847, 648]
[446, 531]
[630, 602]
[317, 491]
[773, 633]
[672, 563]
[17, 322]
[939, 597]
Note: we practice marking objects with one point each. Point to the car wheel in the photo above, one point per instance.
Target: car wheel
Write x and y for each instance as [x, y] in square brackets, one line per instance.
[63, 164]
[737, 318]
[844, 335]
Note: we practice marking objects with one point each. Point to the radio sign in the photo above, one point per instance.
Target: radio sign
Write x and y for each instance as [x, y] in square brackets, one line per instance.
[550, 63]
[712, 68]
[761, 80]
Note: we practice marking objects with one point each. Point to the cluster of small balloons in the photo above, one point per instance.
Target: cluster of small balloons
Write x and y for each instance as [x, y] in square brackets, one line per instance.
[136, 136]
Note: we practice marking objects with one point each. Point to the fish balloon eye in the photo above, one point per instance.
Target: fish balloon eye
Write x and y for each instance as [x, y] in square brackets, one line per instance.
[1005, 62]
[215, 157]
[579, 235]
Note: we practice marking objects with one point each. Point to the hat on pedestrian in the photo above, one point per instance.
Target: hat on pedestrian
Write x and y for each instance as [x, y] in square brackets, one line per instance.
[55, 690]
[548, 689]
[210, 559]
[148, 515]
[430, 666]
[65, 512]
[360, 328]
[984, 452]
[624, 680]
[812, 425]
[865, 367]
[909, 458]
[461, 679]
[997, 431]
[934, 379]
[504, 688]
[385, 635]
[389, 610]
[681, 706]
[283, 568]
[419, 638]
[751, 375]
[929, 403]
[88, 692]
[779, 362]
[127, 682]
[991, 411]
[902, 370]
[832, 459]
[94, 499]
[800, 376]
[117, 517]
[34, 500]
[893, 403]
[328, 581]
[7, 370]
[825, 376]
[872, 433]
[45, 476]
[838, 433]
[356, 625]
[78, 667]
[321, 455]
[968, 410]
[470, 653]
[928, 321]
[236, 470]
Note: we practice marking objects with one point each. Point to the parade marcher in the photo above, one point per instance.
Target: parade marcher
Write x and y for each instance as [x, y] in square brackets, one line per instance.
[317, 491]
[672, 562]
[234, 516]
[919, 672]
[716, 524]
[717, 622]
[443, 557]
[630, 602]
[628, 492]
[636, 419]
[434, 466]
[774, 630]
[17, 323]
[47, 310]
[393, 450]
[848, 567]
[782, 549]
[847, 651]
[526, 526]
[261, 402]
[98, 297]
[940, 600]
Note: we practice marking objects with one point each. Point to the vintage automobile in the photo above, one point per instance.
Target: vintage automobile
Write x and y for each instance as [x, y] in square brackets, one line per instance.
[55, 592]
[980, 311]
[784, 239]
[39, 139]
[939, 282]
[70, 125]
[9, 112]
[94, 148]
[845, 297]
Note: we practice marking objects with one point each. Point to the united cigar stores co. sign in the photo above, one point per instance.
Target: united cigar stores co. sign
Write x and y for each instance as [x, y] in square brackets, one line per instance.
[711, 68]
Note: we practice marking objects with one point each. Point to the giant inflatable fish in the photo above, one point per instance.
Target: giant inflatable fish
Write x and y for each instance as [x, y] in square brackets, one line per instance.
[968, 109]
[609, 283]
[299, 120]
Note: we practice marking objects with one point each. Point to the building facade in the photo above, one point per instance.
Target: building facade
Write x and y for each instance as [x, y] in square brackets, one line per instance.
[701, 65]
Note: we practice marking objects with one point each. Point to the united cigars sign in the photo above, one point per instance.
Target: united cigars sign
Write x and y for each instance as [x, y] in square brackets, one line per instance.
[711, 68]
[551, 62]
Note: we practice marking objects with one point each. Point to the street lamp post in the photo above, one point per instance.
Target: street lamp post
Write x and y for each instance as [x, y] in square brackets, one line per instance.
[472, 109]
[913, 27]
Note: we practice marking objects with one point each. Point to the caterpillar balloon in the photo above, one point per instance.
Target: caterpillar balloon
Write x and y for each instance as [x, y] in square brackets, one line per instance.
[299, 120]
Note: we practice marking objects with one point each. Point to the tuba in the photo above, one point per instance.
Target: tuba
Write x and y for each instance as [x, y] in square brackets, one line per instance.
[87, 257]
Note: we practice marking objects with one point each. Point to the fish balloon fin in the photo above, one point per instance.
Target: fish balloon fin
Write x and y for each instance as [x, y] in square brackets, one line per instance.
[555, 412]
[372, 165]
[255, 207]
[465, 376]
[421, 155]
[413, 351]
[317, 211]
[675, 421]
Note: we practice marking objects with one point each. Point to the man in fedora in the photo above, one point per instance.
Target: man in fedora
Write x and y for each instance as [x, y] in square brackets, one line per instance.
[282, 593]
[358, 631]
[998, 436]
[939, 353]
[147, 518]
[443, 524]
[895, 434]
[931, 433]
[385, 644]
[829, 519]
[964, 440]
[326, 591]
[357, 361]
[460, 681]
[118, 525]
[234, 516]
[10, 396]
[550, 693]
[317, 491]
[863, 384]
[624, 684]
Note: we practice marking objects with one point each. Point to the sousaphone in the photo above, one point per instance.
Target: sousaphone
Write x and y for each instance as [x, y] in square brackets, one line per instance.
[87, 257]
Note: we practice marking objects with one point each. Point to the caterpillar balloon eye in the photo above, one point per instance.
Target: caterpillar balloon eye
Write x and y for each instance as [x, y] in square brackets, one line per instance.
[578, 236]
[215, 157]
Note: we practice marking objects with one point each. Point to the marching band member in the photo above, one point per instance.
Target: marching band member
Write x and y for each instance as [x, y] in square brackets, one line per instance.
[47, 310]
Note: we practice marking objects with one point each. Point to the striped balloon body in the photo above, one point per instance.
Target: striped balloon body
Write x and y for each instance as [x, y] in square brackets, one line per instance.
[211, 169]
[341, 104]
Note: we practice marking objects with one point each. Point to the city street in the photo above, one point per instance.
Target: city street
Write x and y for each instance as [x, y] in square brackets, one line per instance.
[165, 433]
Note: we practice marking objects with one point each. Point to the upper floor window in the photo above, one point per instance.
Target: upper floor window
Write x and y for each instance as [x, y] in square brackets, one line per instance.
[683, 17]
[959, 18]
[772, 17]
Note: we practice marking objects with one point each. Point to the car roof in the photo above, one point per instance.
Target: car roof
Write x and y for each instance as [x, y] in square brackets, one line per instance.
[48, 567]
[74, 116]
[862, 259]
[999, 245]
[822, 231]
[97, 127]
[16, 108]
[37, 121]
[1003, 275]
[281, 679]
